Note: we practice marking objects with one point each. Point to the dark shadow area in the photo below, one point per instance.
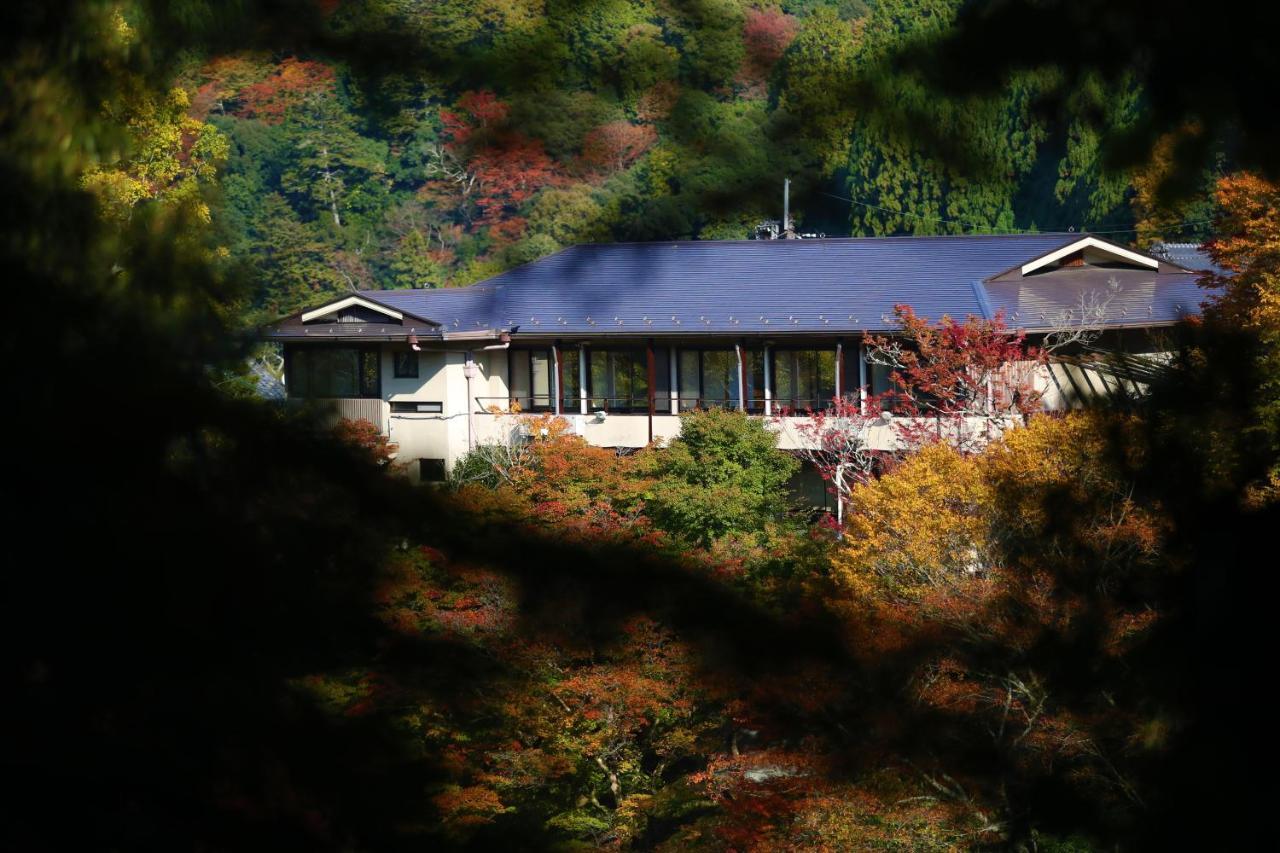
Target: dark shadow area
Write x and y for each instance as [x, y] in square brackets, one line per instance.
[1195, 66]
[179, 562]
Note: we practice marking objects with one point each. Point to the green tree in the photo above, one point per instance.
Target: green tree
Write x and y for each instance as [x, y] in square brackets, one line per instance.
[724, 474]
[335, 169]
[816, 76]
[412, 264]
[569, 215]
[300, 267]
[981, 147]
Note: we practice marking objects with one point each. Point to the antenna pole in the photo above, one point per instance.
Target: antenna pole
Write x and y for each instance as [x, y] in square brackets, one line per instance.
[786, 207]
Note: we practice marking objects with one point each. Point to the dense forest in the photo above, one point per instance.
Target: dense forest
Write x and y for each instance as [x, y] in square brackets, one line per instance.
[528, 126]
[228, 626]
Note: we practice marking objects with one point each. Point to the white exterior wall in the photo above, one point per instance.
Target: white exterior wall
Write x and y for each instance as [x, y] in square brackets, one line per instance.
[462, 424]
[441, 379]
[417, 435]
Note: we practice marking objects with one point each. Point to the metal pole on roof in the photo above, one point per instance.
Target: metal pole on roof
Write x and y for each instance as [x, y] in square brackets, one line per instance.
[786, 208]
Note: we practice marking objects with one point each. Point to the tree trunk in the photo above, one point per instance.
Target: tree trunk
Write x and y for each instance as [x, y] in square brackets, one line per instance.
[615, 787]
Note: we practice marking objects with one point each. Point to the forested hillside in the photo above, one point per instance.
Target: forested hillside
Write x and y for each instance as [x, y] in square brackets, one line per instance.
[527, 125]
[246, 633]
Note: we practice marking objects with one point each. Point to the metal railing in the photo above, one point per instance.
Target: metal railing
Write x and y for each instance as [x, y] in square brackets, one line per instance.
[541, 404]
[349, 408]
[533, 404]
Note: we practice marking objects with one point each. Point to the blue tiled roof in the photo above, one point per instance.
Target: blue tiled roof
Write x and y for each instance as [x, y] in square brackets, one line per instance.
[1190, 255]
[768, 287]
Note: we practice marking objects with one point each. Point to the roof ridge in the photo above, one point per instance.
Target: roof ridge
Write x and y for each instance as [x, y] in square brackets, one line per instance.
[819, 240]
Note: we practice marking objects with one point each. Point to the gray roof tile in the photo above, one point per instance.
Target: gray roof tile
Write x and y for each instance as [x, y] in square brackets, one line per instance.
[778, 286]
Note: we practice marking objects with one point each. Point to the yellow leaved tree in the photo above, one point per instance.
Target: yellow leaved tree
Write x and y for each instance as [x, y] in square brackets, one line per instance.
[922, 525]
[165, 154]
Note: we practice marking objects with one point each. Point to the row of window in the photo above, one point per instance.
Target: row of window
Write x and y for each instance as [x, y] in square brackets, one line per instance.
[617, 380]
[325, 371]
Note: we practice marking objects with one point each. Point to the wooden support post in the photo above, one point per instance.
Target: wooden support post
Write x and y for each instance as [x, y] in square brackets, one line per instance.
[557, 377]
[839, 368]
[511, 398]
[742, 379]
[862, 379]
[653, 382]
[582, 379]
[768, 380]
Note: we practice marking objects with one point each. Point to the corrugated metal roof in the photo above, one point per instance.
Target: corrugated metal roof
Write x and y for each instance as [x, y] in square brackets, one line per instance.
[768, 287]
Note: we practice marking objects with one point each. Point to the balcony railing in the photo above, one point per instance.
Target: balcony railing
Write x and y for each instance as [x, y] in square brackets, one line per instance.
[662, 405]
[350, 408]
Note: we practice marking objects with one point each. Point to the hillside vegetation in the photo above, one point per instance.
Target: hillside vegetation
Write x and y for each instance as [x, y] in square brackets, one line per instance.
[515, 127]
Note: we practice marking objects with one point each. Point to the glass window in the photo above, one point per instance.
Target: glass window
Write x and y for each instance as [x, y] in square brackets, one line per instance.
[883, 388]
[325, 372]
[570, 392]
[619, 380]
[709, 378]
[720, 378]
[530, 379]
[753, 367]
[431, 470]
[540, 377]
[413, 407]
[689, 369]
[662, 380]
[804, 380]
[405, 364]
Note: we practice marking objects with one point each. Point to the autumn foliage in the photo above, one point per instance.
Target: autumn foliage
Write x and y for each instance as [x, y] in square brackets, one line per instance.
[502, 168]
[958, 573]
[291, 83]
[616, 145]
[766, 34]
[367, 438]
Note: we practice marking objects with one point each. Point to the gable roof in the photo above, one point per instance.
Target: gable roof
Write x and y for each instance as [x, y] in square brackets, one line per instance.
[392, 322]
[776, 287]
[361, 301]
[1096, 246]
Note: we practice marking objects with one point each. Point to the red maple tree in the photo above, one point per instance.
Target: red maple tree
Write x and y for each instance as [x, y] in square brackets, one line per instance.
[502, 168]
[766, 35]
[294, 79]
[614, 146]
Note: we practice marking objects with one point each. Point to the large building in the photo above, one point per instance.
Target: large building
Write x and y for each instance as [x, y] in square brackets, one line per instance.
[620, 338]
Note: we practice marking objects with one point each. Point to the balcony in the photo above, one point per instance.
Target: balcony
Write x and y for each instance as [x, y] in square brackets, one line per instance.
[496, 422]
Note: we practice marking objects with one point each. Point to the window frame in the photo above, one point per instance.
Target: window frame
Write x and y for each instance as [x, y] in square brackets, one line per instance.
[526, 353]
[640, 365]
[822, 402]
[701, 399]
[415, 358]
[366, 355]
